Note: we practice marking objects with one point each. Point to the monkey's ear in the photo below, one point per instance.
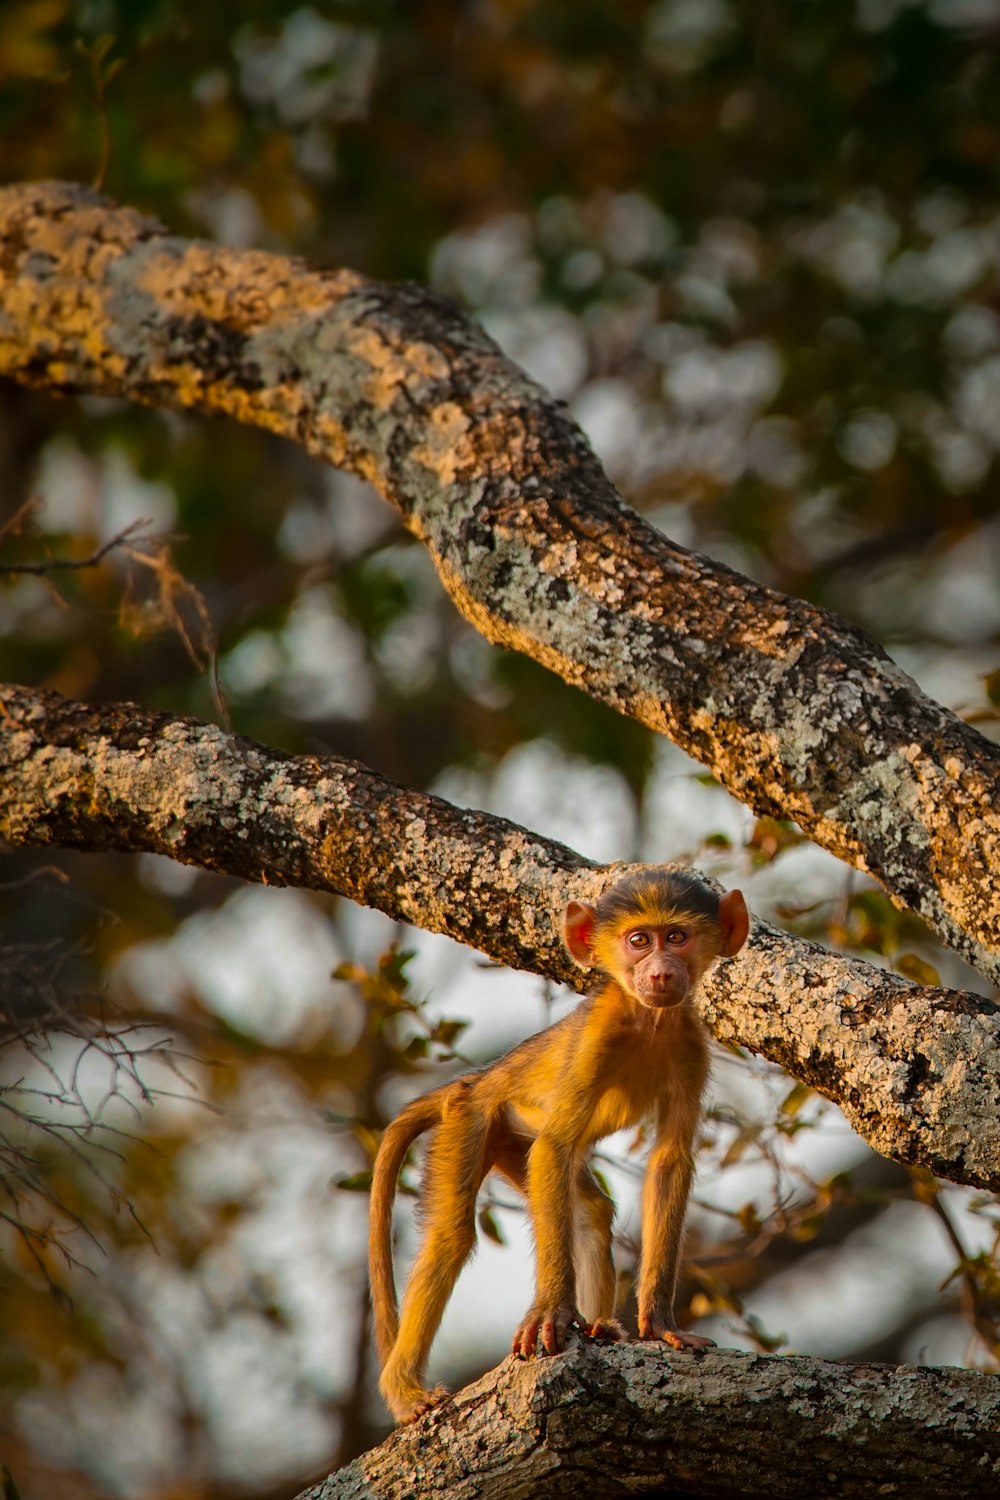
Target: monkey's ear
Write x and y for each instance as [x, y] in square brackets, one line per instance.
[579, 925]
[734, 920]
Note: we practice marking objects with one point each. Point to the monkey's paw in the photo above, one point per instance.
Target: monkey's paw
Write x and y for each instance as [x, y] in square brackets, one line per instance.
[553, 1323]
[427, 1403]
[674, 1336]
[606, 1329]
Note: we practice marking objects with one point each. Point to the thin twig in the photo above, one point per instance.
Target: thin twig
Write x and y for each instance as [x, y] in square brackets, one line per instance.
[13, 525]
[70, 564]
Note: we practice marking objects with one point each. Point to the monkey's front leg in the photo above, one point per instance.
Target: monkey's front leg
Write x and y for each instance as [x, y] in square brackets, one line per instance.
[550, 1201]
[664, 1200]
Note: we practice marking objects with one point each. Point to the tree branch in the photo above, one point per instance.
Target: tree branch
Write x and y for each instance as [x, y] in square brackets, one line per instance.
[797, 712]
[916, 1070]
[638, 1419]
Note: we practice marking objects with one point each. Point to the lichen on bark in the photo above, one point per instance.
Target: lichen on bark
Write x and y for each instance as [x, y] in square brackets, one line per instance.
[916, 1070]
[639, 1419]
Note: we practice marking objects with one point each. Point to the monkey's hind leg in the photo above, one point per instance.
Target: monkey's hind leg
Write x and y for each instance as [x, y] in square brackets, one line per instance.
[454, 1169]
[595, 1268]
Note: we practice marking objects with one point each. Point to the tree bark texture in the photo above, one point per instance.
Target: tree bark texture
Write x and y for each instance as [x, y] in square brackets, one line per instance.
[633, 1419]
[796, 711]
[915, 1069]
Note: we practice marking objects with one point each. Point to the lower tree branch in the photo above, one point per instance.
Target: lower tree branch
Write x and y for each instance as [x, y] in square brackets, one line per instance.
[640, 1419]
[915, 1069]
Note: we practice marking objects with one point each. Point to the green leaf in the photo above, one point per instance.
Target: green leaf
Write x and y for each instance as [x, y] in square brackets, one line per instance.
[445, 1033]
[911, 966]
[489, 1226]
[357, 1182]
[795, 1099]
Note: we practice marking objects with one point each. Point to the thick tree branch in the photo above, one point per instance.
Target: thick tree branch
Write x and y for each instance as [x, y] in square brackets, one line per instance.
[635, 1419]
[796, 711]
[916, 1070]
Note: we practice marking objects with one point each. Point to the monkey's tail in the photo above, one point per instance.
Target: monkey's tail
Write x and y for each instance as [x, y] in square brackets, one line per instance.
[421, 1115]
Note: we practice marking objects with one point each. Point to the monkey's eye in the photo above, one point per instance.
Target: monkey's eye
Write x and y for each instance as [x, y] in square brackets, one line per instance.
[638, 939]
[677, 935]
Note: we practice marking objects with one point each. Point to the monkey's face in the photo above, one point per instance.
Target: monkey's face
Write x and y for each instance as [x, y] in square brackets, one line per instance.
[649, 938]
[659, 964]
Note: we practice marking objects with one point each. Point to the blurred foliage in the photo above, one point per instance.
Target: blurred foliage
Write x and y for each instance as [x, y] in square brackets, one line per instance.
[757, 250]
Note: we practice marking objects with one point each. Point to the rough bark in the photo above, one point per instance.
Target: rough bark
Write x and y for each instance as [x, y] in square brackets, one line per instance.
[915, 1069]
[796, 711]
[633, 1419]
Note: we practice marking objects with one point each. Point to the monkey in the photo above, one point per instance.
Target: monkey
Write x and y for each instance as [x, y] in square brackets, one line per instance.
[635, 1047]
